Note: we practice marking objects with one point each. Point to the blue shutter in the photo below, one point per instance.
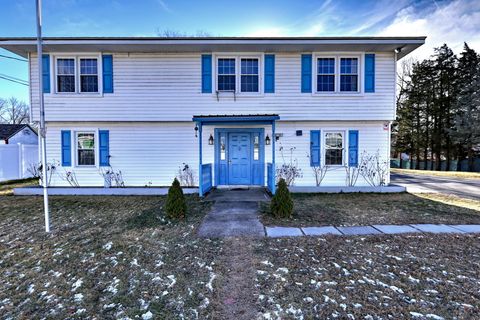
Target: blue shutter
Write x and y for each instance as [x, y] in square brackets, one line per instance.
[66, 148]
[369, 73]
[269, 73]
[315, 148]
[104, 148]
[46, 73]
[206, 73]
[107, 68]
[353, 148]
[306, 73]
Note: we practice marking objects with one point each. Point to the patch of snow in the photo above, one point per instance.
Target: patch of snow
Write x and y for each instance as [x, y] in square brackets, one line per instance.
[31, 289]
[113, 286]
[357, 305]
[308, 299]
[81, 311]
[107, 246]
[77, 284]
[267, 263]
[134, 263]
[412, 279]
[172, 278]
[434, 316]
[78, 297]
[147, 315]
[261, 272]
[209, 284]
[416, 314]
[205, 303]
[284, 270]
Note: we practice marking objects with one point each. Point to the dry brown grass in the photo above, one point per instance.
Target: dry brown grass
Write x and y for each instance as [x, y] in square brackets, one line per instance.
[364, 209]
[446, 174]
[6, 187]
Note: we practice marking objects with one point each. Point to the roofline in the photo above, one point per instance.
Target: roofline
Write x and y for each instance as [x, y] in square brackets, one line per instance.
[23, 125]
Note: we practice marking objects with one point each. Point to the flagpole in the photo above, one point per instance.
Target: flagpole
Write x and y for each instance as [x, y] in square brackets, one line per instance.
[43, 130]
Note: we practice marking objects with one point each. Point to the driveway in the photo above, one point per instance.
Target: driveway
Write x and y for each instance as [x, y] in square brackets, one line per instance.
[465, 188]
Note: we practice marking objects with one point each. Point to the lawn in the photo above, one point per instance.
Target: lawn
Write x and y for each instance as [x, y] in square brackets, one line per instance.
[365, 209]
[108, 257]
[119, 258]
[6, 187]
[446, 174]
[376, 277]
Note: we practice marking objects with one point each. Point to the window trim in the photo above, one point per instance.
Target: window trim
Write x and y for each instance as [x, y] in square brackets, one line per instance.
[238, 57]
[77, 58]
[95, 148]
[338, 56]
[324, 147]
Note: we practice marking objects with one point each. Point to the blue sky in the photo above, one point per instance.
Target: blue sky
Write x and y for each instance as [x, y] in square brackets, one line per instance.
[452, 22]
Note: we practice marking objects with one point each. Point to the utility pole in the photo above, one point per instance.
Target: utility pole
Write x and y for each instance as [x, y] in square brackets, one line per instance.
[43, 131]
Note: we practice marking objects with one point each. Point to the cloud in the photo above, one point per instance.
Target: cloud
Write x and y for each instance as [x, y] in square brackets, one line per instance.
[164, 5]
[453, 23]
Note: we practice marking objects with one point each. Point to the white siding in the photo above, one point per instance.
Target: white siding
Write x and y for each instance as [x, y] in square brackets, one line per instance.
[25, 136]
[167, 87]
[153, 152]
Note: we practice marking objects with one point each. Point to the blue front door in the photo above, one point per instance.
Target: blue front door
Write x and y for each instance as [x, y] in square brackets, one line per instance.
[239, 158]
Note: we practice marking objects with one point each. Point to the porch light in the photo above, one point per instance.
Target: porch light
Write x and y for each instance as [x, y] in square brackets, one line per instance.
[196, 131]
[267, 140]
[210, 140]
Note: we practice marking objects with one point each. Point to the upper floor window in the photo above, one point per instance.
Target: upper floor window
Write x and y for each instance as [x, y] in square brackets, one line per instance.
[349, 74]
[337, 74]
[238, 74]
[226, 74]
[77, 75]
[88, 75]
[334, 148]
[326, 74]
[66, 75]
[249, 76]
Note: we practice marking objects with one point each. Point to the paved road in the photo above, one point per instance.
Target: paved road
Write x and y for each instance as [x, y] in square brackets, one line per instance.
[466, 188]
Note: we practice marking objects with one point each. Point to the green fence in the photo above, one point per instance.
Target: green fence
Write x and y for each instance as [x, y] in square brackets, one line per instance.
[430, 165]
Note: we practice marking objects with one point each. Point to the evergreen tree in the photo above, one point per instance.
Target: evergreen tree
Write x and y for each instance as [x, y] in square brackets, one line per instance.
[282, 203]
[175, 206]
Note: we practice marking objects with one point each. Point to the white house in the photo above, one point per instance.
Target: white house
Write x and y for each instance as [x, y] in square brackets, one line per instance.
[232, 108]
[17, 133]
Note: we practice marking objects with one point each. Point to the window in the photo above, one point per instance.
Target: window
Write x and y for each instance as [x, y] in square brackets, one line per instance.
[88, 75]
[256, 147]
[85, 149]
[222, 147]
[66, 75]
[249, 75]
[349, 74]
[226, 74]
[326, 74]
[334, 148]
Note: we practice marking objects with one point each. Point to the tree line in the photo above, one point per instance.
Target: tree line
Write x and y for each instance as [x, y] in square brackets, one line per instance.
[13, 111]
[438, 109]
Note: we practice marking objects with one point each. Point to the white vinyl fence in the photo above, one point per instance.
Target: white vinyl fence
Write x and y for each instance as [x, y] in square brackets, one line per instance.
[16, 159]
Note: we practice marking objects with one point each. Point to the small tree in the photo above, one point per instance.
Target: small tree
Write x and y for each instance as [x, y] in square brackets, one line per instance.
[175, 206]
[282, 203]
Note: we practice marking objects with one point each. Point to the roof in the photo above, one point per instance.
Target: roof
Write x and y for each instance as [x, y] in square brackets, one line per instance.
[9, 130]
[23, 45]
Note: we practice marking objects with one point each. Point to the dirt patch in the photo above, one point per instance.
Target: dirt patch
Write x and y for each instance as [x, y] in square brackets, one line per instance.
[237, 295]
[364, 209]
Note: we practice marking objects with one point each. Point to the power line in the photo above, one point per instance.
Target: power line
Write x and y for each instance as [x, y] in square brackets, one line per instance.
[12, 77]
[19, 82]
[8, 57]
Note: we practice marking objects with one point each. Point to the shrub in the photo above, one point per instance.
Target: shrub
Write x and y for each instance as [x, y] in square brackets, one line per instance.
[175, 206]
[282, 203]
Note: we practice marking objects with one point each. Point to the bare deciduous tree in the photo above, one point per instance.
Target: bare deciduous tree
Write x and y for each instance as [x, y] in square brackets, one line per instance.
[13, 111]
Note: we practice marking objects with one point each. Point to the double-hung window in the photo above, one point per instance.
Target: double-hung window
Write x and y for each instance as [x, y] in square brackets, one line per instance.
[226, 74]
[326, 74]
[66, 75]
[249, 75]
[238, 74]
[349, 74]
[85, 148]
[77, 75]
[334, 148]
[88, 75]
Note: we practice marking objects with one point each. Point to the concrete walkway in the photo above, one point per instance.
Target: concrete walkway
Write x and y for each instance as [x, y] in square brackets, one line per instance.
[276, 232]
[234, 213]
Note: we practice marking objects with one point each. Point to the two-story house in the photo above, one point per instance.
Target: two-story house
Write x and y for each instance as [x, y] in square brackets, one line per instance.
[234, 109]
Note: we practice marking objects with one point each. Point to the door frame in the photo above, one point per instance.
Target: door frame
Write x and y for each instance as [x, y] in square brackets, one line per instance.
[255, 165]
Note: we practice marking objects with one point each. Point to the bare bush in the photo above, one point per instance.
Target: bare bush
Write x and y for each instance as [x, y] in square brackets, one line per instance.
[374, 169]
[289, 171]
[186, 176]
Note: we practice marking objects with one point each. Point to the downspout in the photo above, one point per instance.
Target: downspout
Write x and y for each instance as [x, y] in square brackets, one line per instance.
[200, 175]
[274, 178]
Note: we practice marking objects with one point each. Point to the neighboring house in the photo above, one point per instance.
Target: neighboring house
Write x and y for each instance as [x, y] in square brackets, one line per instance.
[17, 133]
[139, 104]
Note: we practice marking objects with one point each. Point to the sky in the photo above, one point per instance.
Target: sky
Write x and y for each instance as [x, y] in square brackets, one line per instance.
[452, 22]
